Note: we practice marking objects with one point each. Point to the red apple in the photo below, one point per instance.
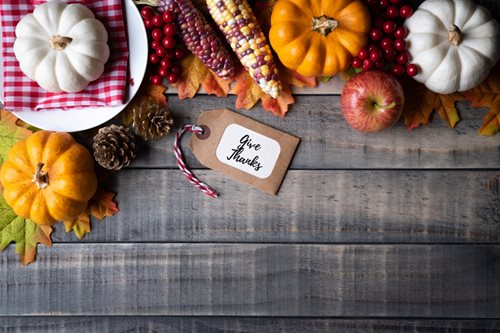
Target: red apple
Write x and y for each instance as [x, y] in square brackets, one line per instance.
[372, 101]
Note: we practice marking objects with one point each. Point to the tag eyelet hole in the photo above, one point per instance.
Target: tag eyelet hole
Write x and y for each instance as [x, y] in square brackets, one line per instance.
[206, 133]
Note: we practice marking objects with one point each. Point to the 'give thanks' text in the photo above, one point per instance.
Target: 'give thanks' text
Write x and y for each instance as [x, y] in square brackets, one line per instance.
[246, 143]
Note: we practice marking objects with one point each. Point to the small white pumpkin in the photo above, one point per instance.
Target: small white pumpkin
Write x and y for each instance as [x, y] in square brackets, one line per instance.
[454, 42]
[62, 47]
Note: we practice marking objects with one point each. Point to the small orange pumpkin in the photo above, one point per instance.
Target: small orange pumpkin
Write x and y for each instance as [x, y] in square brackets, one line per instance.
[48, 177]
[318, 37]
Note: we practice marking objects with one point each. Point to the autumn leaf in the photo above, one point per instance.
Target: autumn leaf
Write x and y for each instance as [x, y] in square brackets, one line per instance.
[100, 206]
[10, 133]
[420, 103]
[249, 93]
[80, 225]
[24, 232]
[147, 90]
[295, 79]
[278, 106]
[195, 75]
[487, 95]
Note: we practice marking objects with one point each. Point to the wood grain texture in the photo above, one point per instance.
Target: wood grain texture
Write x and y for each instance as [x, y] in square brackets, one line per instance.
[329, 143]
[312, 206]
[239, 325]
[422, 281]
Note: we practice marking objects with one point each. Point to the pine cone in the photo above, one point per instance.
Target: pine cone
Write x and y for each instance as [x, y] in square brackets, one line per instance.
[151, 120]
[114, 147]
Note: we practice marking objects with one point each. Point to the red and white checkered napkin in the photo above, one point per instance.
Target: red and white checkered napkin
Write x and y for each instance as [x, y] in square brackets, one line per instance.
[21, 93]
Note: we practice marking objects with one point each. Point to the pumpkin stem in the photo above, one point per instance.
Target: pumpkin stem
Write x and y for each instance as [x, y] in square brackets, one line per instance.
[324, 24]
[40, 178]
[454, 35]
[59, 42]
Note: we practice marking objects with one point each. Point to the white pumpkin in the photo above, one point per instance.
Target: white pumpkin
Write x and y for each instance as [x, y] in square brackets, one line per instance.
[62, 47]
[454, 42]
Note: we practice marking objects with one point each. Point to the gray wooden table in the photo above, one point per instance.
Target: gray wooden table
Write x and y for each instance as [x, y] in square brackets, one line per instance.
[392, 232]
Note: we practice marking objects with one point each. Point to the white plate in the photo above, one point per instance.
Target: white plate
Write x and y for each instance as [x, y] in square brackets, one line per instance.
[82, 119]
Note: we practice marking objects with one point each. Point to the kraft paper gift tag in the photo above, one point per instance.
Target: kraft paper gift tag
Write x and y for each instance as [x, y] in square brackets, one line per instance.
[243, 149]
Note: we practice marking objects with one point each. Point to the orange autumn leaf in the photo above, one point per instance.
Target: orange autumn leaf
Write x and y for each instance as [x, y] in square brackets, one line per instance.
[100, 206]
[158, 92]
[195, 75]
[147, 90]
[421, 103]
[278, 106]
[488, 95]
[249, 93]
[297, 80]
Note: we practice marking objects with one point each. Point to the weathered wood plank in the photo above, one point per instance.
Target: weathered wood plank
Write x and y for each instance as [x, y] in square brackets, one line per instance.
[312, 206]
[329, 143]
[452, 281]
[238, 325]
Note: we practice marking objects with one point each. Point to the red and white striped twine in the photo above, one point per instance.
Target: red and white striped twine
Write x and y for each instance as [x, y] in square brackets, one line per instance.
[182, 164]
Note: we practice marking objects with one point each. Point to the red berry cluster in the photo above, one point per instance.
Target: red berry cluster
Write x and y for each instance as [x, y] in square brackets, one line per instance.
[387, 48]
[165, 53]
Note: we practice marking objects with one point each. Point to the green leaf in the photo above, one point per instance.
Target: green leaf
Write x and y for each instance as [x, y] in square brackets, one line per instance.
[10, 133]
[24, 232]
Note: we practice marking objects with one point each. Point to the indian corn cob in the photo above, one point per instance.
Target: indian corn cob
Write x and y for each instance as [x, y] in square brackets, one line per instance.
[238, 23]
[200, 38]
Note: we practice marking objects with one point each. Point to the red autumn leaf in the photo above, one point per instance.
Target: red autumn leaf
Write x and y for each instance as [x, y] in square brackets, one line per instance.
[421, 103]
[488, 95]
[195, 75]
[100, 206]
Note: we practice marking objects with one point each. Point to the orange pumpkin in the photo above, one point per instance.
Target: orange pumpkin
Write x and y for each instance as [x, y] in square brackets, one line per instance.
[318, 37]
[48, 177]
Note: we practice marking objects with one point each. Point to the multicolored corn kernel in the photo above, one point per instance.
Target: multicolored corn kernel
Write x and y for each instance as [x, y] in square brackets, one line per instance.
[200, 38]
[237, 21]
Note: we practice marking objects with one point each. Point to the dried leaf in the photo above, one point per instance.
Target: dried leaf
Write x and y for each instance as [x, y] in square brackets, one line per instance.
[158, 92]
[24, 232]
[247, 90]
[421, 103]
[295, 79]
[146, 91]
[100, 206]
[249, 93]
[278, 106]
[195, 75]
[488, 95]
[10, 133]
[80, 225]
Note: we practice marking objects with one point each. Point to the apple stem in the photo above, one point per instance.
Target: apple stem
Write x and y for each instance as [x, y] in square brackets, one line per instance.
[387, 106]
